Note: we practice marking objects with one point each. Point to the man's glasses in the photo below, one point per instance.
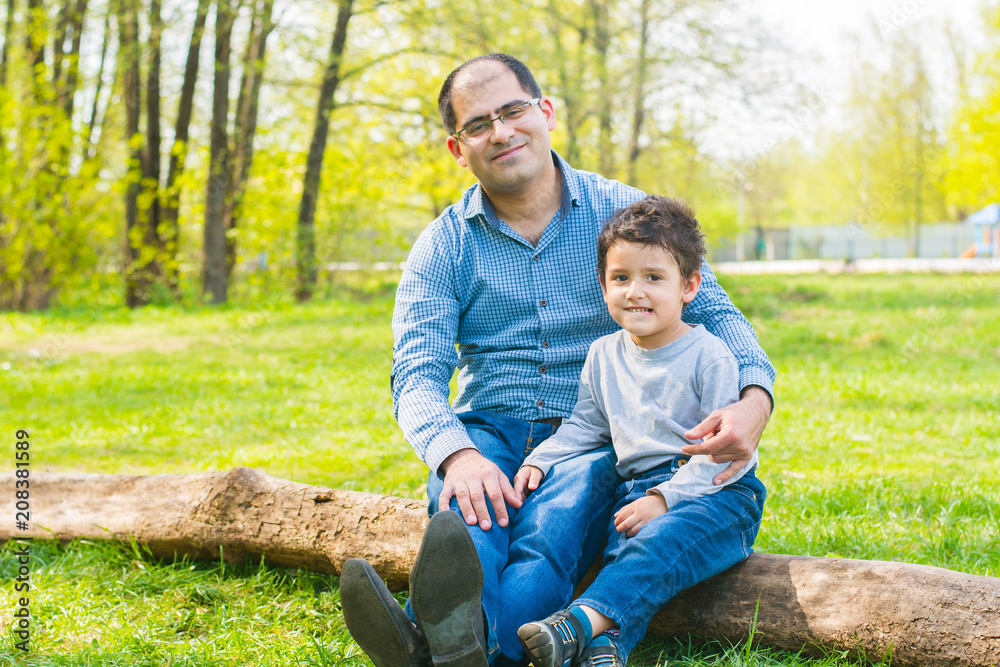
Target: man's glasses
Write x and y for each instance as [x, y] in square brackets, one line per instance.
[513, 116]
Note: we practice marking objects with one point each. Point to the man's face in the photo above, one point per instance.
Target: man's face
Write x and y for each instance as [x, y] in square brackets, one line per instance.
[510, 157]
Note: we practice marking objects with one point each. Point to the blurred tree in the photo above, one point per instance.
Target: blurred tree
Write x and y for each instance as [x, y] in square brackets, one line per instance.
[215, 272]
[889, 155]
[972, 177]
[8, 32]
[141, 266]
[231, 148]
[52, 213]
[170, 228]
[306, 270]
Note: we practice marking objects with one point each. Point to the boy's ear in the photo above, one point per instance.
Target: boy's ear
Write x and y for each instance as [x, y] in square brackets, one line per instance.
[691, 287]
[600, 277]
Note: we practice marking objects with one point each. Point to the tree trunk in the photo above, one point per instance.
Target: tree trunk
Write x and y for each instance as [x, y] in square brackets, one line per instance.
[602, 46]
[137, 278]
[216, 282]
[153, 140]
[73, 77]
[639, 112]
[36, 31]
[178, 153]
[88, 139]
[246, 119]
[69, 25]
[922, 615]
[570, 90]
[8, 31]
[306, 235]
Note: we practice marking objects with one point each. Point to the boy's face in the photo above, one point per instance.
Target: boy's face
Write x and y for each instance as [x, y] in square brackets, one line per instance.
[645, 293]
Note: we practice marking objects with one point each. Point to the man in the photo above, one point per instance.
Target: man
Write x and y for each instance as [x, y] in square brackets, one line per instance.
[509, 274]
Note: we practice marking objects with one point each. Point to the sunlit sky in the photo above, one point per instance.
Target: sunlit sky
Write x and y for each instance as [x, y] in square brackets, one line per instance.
[830, 37]
[827, 26]
[831, 28]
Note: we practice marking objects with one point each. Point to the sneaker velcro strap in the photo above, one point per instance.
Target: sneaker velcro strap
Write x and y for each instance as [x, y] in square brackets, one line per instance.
[601, 656]
[560, 627]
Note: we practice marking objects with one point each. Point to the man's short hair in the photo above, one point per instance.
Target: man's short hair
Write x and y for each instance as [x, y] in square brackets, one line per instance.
[520, 70]
[656, 221]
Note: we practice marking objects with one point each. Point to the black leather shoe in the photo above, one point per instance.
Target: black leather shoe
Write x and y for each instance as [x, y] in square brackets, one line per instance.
[376, 621]
[446, 587]
[553, 642]
[600, 656]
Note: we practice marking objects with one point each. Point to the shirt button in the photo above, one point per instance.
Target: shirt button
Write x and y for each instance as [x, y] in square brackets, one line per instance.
[540, 404]
[542, 369]
[545, 343]
[543, 303]
[536, 258]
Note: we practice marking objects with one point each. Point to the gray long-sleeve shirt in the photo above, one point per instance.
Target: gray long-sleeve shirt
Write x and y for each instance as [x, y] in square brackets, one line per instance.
[643, 401]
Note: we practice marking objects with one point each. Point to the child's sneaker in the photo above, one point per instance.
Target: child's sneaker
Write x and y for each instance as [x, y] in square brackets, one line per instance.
[600, 656]
[554, 642]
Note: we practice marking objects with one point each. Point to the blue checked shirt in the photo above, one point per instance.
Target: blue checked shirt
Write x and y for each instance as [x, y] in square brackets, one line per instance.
[523, 316]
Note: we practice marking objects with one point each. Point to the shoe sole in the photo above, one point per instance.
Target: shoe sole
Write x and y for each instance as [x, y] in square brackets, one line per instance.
[538, 645]
[370, 613]
[446, 585]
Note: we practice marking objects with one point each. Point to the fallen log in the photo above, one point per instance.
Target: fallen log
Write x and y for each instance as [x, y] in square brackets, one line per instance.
[919, 615]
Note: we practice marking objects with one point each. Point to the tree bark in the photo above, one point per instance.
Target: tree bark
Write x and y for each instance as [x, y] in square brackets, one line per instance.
[8, 31]
[36, 31]
[306, 228]
[73, 77]
[216, 283]
[570, 87]
[245, 127]
[922, 615]
[98, 86]
[151, 171]
[602, 46]
[178, 153]
[137, 278]
[639, 112]
[69, 26]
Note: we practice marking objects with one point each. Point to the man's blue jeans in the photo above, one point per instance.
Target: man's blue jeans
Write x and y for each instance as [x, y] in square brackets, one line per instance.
[531, 566]
[695, 540]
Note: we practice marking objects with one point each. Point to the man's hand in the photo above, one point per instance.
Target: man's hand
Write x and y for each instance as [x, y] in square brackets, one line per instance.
[527, 480]
[732, 433]
[474, 480]
[637, 514]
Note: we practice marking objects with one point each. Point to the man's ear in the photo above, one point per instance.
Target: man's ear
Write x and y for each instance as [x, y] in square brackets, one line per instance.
[691, 287]
[549, 110]
[456, 150]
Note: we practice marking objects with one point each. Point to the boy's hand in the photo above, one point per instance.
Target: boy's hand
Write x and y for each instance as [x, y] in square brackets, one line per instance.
[527, 480]
[635, 515]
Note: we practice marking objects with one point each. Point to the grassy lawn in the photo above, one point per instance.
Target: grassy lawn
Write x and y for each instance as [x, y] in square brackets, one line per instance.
[883, 445]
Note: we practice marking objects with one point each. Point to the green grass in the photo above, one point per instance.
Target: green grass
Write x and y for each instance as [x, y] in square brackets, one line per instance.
[883, 445]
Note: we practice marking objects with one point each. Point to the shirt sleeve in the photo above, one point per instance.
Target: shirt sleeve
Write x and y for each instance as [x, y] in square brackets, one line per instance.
[718, 388]
[713, 308]
[586, 429]
[425, 328]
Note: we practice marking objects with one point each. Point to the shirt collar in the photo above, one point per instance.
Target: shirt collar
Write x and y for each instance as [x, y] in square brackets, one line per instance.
[480, 206]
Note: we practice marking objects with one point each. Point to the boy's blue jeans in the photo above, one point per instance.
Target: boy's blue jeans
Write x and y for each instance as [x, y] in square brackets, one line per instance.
[531, 566]
[695, 540]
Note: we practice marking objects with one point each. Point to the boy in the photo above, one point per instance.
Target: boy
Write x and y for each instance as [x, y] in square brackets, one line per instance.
[642, 388]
